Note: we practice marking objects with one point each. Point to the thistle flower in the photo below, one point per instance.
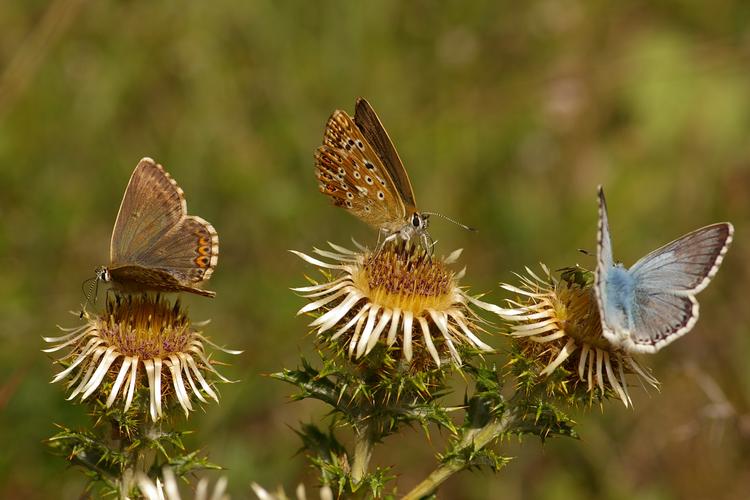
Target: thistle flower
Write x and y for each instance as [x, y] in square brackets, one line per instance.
[138, 331]
[168, 490]
[558, 320]
[399, 293]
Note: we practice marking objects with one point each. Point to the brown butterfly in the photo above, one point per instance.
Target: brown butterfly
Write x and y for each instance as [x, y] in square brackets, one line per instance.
[156, 245]
[359, 169]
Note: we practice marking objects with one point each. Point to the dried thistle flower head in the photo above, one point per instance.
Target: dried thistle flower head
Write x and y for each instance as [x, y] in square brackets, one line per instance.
[400, 293]
[106, 352]
[556, 321]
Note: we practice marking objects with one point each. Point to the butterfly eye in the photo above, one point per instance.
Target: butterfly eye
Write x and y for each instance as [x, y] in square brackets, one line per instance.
[416, 221]
[102, 274]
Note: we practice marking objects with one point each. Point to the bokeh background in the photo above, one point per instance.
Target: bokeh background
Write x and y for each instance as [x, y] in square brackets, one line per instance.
[507, 115]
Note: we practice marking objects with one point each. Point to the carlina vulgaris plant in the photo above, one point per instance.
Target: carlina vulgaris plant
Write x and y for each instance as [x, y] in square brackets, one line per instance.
[392, 326]
[558, 341]
[400, 293]
[136, 366]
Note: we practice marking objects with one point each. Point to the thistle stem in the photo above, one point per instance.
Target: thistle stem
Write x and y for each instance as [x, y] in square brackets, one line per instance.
[364, 442]
[479, 438]
[143, 457]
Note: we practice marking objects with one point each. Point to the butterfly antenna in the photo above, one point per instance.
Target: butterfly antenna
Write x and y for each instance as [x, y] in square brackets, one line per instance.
[90, 289]
[87, 287]
[585, 252]
[468, 228]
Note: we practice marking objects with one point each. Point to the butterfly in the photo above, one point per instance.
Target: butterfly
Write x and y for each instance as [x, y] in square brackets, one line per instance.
[359, 169]
[653, 303]
[156, 245]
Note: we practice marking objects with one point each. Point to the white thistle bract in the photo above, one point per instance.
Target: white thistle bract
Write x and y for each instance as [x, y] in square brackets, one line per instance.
[166, 488]
[325, 493]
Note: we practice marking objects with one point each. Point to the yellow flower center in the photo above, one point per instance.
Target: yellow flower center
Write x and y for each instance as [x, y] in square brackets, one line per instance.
[578, 313]
[409, 280]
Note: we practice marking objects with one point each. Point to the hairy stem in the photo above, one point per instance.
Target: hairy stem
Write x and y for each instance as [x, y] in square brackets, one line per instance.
[479, 438]
[365, 440]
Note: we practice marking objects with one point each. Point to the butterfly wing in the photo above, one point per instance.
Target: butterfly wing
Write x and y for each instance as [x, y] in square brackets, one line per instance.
[153, 230]
[138, 279]
[604, 265]
[658, 318]
[352, 174]
[686, 265]
[151, 206]
[372, 128]
[653, 303]
[666, 282]
[603, 238]
[189, 251]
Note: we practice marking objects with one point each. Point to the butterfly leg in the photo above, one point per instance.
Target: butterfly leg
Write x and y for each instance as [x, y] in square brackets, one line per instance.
[410, 234]
[428, 244]
[382, 233]
[389, 237]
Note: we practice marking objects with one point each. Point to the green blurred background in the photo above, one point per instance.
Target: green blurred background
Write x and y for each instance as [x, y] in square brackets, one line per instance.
[507, 115]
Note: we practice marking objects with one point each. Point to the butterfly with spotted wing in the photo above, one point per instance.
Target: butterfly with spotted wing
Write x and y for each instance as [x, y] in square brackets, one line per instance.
[359, 169]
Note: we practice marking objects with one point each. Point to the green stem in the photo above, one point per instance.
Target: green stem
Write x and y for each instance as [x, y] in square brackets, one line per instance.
[364, 442]
[479, 438]
[143, 457]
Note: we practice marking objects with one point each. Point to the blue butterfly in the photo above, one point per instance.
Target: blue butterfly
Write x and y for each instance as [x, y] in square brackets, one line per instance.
[653, 303]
